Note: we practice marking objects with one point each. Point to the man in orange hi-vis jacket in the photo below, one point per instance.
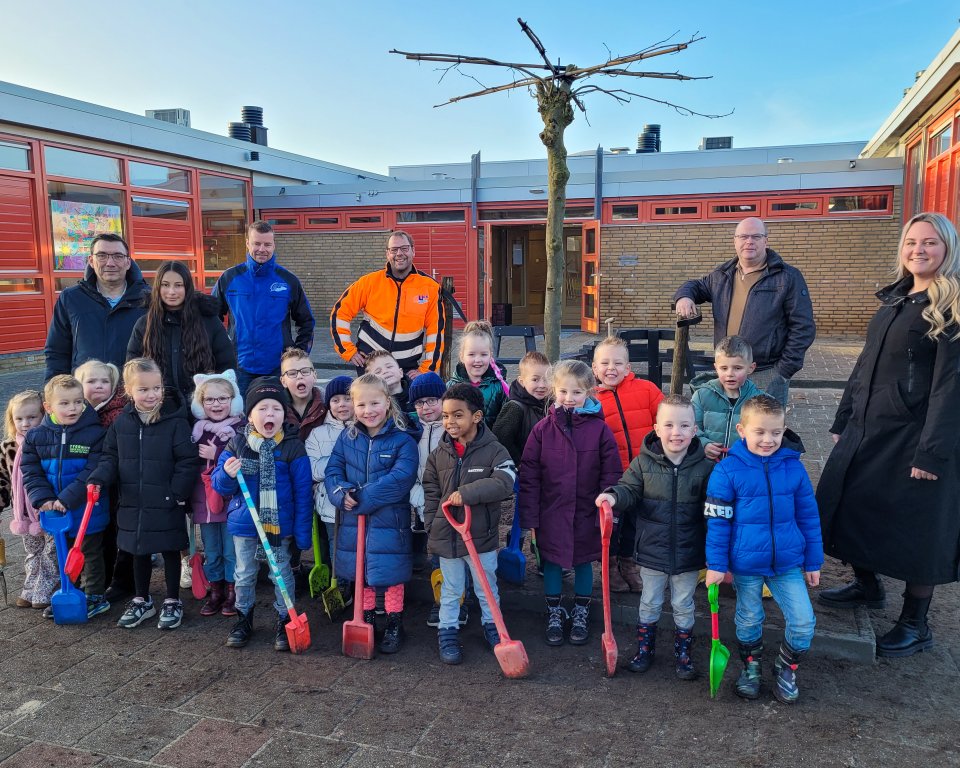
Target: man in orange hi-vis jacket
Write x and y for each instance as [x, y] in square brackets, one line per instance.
[402, 313]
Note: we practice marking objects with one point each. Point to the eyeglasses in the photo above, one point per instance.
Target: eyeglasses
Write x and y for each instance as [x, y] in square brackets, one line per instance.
[296, 373]
[105, 258]
[755, 238]
[426, 402]
[404, 249]
[223, 400]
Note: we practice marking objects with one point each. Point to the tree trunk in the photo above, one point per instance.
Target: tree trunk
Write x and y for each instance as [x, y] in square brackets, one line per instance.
[553, 102]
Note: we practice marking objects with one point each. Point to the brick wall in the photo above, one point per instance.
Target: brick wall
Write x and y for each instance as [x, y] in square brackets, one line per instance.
[843, 261]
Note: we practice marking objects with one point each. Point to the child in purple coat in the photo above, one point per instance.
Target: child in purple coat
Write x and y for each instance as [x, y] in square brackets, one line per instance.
[218, 408]
[570, 456]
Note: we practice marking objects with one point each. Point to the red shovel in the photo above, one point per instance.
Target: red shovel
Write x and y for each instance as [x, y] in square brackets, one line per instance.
[75, 558]
[200, 584]
[510, 653]
[357, 634]
[608, 640]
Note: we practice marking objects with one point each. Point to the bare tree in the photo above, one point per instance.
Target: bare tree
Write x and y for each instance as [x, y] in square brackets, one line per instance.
[557, 89]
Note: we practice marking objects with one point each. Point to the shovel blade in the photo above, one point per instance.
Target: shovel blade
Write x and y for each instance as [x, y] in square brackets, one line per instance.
[436, 582]
[298, 632]
[358, 639]
[318, 579]
[511, 566]
[719, 656]
[332, 601]
[512, 657]
[610, 653]
[200, 582]
[74, 565]
[69, 606]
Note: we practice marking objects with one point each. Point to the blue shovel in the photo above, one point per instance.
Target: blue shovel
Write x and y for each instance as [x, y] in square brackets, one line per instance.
[69, 603]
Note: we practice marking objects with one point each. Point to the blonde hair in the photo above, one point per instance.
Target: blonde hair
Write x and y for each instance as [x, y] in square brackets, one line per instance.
[293, 353]
[134, 368]
[944, 292]
[373, 381]
[376, 355]
[87, 369]
[60, 381]
[201, 391]
[612, 341]
[533, 358]
[21, 398]
[579, 370]
[764, 405]
[479, 328]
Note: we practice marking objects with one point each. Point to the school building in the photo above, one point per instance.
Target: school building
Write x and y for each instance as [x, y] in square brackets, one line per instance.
[637, 223]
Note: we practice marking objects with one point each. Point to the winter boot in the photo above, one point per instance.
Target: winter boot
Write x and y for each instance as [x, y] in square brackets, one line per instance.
[785, 690]
[580, 621]
[242, 631]
[215, 601]
[748, 684]
[646, 647]
[682, 643]
[631, 573]
[393, 635]
[229, 600]
[865, 589]
[617, 582]
[910, 634]
[556, 615]
[281, 642]
[370, 617]
[449, 642]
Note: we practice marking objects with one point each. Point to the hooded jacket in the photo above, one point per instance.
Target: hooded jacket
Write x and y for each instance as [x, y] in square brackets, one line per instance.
[519, 415]
[716, 417]
[59, 461]
[319, 448]
[484, 475]
[429, 439]
[262, 300]
[761, 513]
[85, 327]
[174, 370]
[777, 317]
[630, 411]
[491, 387]
[381, 471]
[568, 459]
[156, 466]
[667, 502]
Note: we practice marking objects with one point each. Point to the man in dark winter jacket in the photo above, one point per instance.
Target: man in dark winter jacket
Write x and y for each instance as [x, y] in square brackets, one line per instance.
[94, 318]
[262, 299]
[468, 467]
[763, 299]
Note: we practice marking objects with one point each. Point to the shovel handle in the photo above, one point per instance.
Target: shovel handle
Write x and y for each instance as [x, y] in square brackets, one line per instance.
[713, 595]
[462, 528]
[606, 521]
[271, 558]
[93, 493]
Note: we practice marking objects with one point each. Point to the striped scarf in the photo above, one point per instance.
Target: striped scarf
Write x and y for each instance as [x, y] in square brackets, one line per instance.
[265, 468]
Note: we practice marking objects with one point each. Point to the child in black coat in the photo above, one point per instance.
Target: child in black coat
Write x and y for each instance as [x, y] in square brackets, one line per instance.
[149, 450]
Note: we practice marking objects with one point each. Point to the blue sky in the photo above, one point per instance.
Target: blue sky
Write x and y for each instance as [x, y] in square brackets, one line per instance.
[814, 72]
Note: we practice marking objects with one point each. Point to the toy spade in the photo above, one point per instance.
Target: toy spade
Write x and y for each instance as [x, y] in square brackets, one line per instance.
[608, 641]
[719, 653]
[75, 558]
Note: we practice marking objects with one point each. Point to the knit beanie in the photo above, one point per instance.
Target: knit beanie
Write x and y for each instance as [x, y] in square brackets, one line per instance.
[338, 385]
[426, 385]
[265, 388]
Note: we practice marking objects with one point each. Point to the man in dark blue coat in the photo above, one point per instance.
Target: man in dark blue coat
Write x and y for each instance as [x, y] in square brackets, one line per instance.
[93, 319]
[262, 298]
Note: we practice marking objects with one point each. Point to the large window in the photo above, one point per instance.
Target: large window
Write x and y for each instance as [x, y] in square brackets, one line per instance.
[223, 208]
[77, 214]
[81, 165]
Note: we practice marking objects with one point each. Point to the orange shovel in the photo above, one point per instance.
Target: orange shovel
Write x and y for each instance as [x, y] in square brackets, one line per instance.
[75, 558]
[357, 634]
[510, 653]
[608, 640]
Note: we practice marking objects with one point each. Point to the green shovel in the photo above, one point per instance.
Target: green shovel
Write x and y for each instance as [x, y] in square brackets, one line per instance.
[719, 653]
[319, 577]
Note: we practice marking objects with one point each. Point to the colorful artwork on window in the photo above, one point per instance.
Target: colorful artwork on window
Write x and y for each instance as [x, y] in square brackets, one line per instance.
[74, 227]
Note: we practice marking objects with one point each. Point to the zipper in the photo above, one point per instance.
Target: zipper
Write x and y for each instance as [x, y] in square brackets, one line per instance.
[626, 431]
[456, 481]
[673, 521]
[396, 312]
[140, 483]
[773, 538]
[63, 445]
[910, 371]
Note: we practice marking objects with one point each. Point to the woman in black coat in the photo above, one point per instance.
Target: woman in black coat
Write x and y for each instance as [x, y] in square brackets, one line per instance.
[181, 331]
[888, 493]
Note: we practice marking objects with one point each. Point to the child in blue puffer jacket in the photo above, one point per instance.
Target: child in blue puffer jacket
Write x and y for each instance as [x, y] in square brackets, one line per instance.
[371, 471]
[763, 526]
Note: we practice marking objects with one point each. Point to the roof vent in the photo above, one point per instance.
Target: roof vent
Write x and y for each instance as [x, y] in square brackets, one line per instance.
[176, 116]
[716, 142]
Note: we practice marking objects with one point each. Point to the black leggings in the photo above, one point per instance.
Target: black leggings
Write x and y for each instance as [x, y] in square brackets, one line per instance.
[143, 567]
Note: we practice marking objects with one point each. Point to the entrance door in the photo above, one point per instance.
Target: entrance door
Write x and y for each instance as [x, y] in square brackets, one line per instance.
[590, 295]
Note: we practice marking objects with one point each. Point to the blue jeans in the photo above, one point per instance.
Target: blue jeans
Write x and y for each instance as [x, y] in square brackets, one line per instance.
[682, 586]
[454, 572]
[790, 592]
[248, 567]
[221, 560]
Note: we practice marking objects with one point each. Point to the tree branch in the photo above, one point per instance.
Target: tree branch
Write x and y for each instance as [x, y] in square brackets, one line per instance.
[453, 58]
[495, 89]
[538, 45]
[625, 97]
[661, 75]
[633, 57]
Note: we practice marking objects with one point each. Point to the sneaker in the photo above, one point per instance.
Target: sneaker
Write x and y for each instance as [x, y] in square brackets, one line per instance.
[23, 603]
[448, 640]
[171, 614]
[186, 573]
[137, 612]
[48, 612]
[40, 605]
[433, 619]
[491, 635]
[96, 605]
